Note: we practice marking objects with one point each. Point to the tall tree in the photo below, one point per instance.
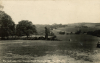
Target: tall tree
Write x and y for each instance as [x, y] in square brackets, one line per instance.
[25, 27]
[46, 33]
[6, 25]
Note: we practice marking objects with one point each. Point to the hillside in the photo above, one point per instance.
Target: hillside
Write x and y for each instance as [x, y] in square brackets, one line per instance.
[41, 28]
[84, 27]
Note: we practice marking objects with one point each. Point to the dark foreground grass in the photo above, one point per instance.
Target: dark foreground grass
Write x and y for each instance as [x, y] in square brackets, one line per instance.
[78, 48]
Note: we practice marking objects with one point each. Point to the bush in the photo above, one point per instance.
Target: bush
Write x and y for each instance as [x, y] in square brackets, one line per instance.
[78, 32]
[41, 38]
[61, 32]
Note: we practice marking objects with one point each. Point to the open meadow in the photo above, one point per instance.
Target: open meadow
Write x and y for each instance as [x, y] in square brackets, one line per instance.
[79, 49]
[72, 48]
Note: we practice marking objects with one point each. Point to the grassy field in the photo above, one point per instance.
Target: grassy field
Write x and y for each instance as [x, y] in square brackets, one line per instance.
[81, 48]
[71, 49]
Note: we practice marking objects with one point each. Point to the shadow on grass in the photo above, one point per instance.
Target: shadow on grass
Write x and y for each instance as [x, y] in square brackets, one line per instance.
[29, 50]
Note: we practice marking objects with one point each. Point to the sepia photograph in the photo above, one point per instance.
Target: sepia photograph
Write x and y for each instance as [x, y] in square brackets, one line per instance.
[49, 31]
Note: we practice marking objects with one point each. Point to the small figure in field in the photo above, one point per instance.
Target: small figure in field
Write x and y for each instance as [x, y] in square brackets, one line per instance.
[70, 40]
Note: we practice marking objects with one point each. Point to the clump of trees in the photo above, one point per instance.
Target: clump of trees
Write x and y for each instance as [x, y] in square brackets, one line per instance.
[49, 33]
[9, 30]
[25, 27]
[7, 26]
[78, 32]
[94, 33]
[62, 32]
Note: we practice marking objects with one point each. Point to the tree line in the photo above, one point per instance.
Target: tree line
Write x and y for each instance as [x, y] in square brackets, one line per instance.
[9, 28]
[93, 33]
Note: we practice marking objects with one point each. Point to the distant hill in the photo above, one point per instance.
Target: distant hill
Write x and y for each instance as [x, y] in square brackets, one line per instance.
[84, 27]
[41, 28]
[84, 24]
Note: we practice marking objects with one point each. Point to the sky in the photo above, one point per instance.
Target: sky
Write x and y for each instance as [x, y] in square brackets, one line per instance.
[53, 11]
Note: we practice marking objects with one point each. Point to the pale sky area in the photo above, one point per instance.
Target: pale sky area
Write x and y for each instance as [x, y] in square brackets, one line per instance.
[53, 11]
